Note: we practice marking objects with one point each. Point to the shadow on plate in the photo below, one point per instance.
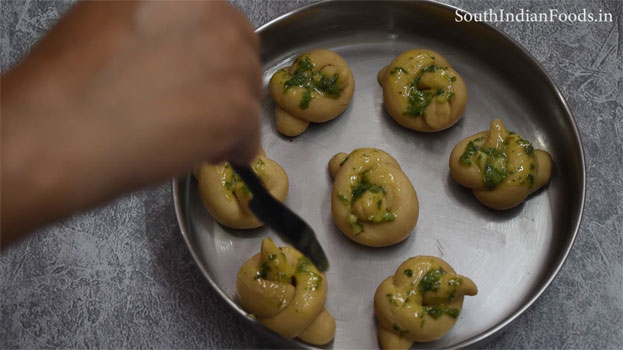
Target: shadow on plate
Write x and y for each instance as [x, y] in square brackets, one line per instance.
[245, 233]
[466, 198]
[422, 140]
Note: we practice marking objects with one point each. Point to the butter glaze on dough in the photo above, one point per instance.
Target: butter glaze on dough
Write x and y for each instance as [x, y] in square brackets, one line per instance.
[373, 202]
[226, 197]
[316, 88]
[421, 91]
[420, 302]
[292, 309]
[500, 167]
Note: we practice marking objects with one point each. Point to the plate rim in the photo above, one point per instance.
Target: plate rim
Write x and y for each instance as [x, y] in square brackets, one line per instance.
[487, 334]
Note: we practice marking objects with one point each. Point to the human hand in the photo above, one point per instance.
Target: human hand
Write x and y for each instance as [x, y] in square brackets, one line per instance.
[120, 95]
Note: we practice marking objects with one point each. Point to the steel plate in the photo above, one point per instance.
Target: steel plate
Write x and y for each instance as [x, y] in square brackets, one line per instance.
[512, 255]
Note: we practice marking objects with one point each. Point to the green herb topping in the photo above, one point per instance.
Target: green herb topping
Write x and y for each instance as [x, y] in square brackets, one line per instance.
[358, 190]
[493, 162]
[264, 270]
[391, 299]
[437, 311]
[419, 99]
[431, 280]
[303, 267]
[312, 81]
[398, 69]
[401, 332]
[527, 146]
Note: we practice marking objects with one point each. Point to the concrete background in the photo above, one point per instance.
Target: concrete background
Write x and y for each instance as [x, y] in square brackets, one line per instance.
[120, 276]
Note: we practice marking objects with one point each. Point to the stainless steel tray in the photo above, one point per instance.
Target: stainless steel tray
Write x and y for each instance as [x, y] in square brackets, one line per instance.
[512, 256]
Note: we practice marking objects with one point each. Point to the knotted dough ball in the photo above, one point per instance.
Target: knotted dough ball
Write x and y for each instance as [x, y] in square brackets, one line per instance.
[422, 92]
[420, 302]
[286, 293]
[226, 196]
[316, 88]
[500, 167]
[373, 202]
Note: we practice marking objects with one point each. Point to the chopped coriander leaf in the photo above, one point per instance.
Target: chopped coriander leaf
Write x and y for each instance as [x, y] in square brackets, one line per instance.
[388, 217]
[398, 69]
[306, 77]
[431, 280]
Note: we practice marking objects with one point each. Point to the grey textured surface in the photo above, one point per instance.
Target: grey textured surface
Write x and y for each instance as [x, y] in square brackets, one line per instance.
[120, 276]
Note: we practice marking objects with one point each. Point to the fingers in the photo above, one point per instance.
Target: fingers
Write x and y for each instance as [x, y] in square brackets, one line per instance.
[248, 144]
[225, 121]
[245, 129]
[240, 21]
[247, 132]
[234, 79]
[187, 75]
[245, 64]
[239, 42]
